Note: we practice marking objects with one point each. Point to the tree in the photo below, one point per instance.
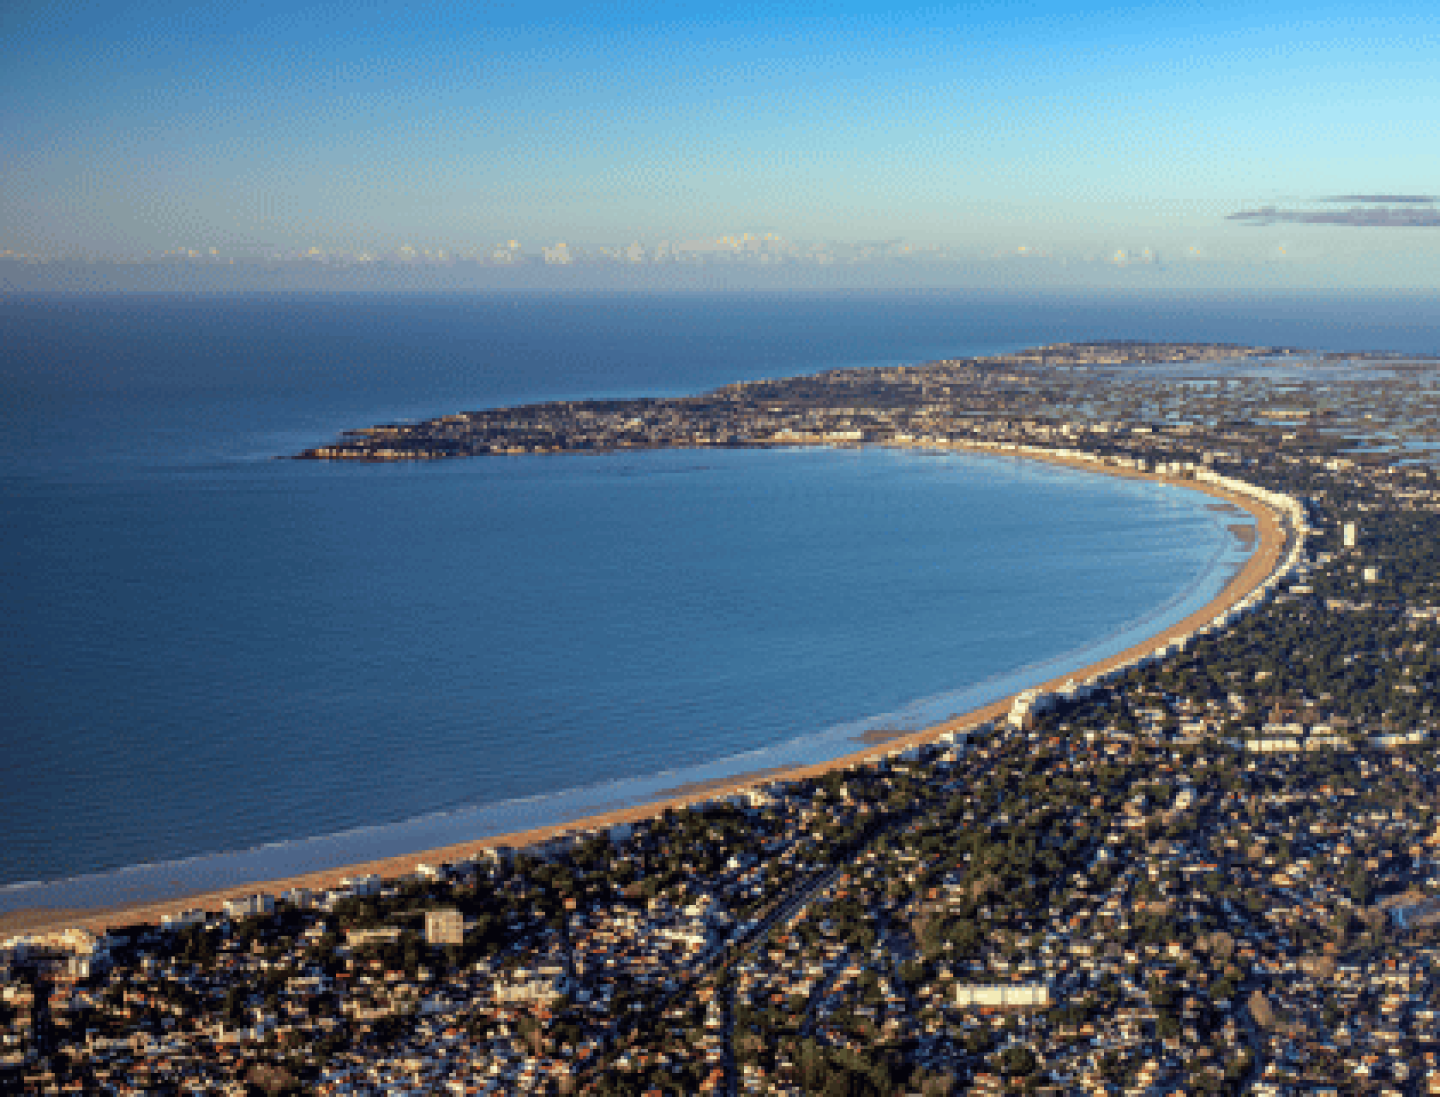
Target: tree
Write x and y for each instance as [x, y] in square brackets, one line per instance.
[978, 1041]
[1015, 1062]
[234, 1005]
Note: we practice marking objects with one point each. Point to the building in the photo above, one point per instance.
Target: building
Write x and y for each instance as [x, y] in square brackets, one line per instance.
[363, 886]
[1003, 994]
[444, 927]
[181, 919]
[259, 903]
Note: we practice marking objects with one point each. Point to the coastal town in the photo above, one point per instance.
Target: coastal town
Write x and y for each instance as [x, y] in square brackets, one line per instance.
[1213, 867]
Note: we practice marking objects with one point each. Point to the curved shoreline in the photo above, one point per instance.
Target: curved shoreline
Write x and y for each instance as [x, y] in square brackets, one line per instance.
[1267, 555]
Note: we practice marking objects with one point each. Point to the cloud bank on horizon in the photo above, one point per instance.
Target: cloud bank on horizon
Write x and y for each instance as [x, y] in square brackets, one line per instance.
[1362, 210]
[1066, 132]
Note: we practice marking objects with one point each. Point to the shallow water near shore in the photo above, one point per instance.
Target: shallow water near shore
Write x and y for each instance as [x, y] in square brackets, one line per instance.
[233, 668]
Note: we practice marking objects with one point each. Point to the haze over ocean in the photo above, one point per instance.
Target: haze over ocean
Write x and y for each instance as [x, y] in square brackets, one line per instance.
[210, 650]
[1082, 143]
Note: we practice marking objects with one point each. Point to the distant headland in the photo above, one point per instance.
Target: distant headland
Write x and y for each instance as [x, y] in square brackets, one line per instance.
[968, 399]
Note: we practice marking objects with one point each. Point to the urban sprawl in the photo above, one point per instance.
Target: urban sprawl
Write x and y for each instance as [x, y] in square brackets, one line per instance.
[1215, 869]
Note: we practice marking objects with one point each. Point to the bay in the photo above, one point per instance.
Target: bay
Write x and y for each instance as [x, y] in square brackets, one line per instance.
[211, 652]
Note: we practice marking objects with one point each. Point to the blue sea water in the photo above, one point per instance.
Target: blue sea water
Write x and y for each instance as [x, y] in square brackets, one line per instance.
[218, 666]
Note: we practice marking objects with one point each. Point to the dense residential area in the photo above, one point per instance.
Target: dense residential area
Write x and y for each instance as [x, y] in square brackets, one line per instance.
[1213, 871]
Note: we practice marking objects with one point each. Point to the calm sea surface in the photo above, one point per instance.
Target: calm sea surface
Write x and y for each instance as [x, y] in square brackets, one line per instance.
[216, 665]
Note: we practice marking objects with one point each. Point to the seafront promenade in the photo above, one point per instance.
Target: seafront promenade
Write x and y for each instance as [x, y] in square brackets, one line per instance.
[1278, 545]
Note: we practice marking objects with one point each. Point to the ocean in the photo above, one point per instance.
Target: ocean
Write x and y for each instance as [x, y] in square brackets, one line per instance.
[218, 665]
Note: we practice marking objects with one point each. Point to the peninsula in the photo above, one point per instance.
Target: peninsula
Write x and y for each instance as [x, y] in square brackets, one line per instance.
[1031, 396]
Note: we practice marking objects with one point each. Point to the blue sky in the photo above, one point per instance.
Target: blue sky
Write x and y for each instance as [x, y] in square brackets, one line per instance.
[131, 127]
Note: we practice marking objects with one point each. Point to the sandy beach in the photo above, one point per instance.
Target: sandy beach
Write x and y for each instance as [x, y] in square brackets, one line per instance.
[1271, 545]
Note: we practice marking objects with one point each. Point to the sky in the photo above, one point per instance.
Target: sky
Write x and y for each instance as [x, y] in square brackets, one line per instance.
[1070, 130]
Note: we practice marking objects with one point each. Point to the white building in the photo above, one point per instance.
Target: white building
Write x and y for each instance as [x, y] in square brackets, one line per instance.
[1003, 994]
[259, 903]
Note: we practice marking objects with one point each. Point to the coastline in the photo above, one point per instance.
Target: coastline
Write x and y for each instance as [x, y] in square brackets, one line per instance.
[1267, 553]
